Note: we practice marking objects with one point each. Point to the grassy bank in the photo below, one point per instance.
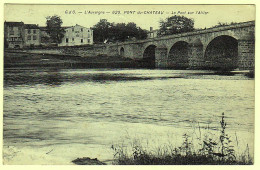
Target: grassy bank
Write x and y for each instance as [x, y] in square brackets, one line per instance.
[218, 150]
[23, 59]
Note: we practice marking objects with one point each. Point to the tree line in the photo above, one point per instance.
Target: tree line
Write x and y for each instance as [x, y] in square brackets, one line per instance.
[117, 32]
[105, 31]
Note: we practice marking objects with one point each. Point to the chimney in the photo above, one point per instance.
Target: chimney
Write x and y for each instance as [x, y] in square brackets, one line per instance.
[151, 28]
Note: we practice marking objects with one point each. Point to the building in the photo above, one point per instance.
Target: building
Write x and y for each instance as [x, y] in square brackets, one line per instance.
[77, 35]
[20, 35]
[14, 34]
[32, 35]
[152, 33]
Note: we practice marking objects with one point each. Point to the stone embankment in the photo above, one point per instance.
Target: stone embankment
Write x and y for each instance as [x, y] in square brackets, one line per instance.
[42, 58]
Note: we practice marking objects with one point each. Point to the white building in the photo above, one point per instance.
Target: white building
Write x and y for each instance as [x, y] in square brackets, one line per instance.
[77, 35]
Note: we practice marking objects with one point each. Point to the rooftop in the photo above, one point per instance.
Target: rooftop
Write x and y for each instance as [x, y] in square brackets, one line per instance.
[31, 26]
[14, 23]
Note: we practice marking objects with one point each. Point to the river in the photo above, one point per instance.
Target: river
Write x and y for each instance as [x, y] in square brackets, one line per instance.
[53, 116]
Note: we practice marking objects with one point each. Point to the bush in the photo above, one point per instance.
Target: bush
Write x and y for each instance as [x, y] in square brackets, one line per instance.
[211, 152]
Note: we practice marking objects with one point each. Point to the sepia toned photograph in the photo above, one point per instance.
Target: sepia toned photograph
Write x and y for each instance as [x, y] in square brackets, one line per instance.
[128, 84]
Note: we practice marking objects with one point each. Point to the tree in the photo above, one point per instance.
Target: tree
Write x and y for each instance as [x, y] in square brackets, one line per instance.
[115, 32]
[175, 24]
[135, 32]
[142, 34]
[102, 30]
[54, 29]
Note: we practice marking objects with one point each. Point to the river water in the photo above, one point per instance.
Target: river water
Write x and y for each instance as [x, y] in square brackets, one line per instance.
[54, 116]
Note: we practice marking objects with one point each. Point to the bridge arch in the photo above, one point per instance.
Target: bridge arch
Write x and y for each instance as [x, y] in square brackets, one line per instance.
[222, 53]
[178, 56]
[149, 56]
[122, 52]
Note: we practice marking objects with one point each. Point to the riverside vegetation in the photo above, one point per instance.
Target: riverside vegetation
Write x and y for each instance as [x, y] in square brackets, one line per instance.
[219, 151]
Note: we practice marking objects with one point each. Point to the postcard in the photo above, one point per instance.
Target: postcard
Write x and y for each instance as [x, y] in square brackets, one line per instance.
[129, 84]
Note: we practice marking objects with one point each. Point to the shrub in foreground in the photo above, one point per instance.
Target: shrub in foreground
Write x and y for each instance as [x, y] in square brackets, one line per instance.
[211, 152]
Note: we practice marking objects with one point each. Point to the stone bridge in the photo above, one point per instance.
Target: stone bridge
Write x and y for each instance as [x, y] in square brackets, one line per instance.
[224, 47]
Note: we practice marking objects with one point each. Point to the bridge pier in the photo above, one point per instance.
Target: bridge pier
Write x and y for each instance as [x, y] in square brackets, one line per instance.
[246, 54]
[196, 57]
[161, 57]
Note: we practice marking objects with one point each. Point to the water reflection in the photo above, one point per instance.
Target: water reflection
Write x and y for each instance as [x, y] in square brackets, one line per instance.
[51, 77]
[55, 77]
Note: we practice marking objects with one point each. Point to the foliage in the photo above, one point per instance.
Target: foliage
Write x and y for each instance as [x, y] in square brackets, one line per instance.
[175, 24]
[54, 29]
[45, 38]
[106, 31]
[102, 30]
[212, 152]
[222, 149]
[220, 24]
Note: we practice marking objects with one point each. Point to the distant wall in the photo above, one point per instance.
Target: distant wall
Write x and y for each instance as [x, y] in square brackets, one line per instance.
[85, 51]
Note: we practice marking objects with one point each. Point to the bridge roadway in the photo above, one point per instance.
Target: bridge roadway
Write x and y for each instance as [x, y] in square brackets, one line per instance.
[224, 47]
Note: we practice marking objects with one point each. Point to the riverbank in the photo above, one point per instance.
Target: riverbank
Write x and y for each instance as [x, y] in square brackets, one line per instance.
[25, 59]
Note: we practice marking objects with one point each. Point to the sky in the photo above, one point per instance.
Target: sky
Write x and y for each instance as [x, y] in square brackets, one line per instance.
[145, 16]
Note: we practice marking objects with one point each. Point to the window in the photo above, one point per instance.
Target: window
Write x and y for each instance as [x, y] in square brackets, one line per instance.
[29, 31]
[88, 40]
[72, 29]
[34, 37]
[67, 40]
[88, 30]
[81, 40]
[29, 37]
[72, 39]
[34, 31]
[81, 29]
[88, 35]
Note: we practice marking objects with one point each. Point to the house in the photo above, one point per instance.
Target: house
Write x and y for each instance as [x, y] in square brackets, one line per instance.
[152, 33]
[14, 34]
[20, 35]
[77, 35]
[32, 35]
